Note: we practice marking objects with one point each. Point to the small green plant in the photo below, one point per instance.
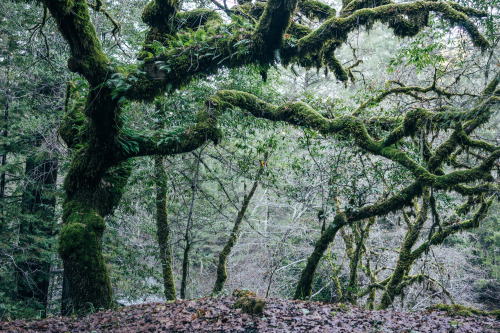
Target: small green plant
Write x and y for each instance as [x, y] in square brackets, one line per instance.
[248, 302]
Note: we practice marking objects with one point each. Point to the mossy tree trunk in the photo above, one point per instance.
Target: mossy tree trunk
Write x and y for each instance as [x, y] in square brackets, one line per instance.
[405, 259]
[163, 229]
[304, 286]
[233, 238]
[162, 223]
[355, 248]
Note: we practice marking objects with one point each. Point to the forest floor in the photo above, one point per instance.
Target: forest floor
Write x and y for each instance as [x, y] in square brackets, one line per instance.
[218, 315]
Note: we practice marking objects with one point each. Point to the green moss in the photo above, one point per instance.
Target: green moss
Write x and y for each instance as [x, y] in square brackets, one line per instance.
[406, 19]
[496, 314]
[163, 229]
[461, 310]
[71, 124]
[254, 10]
[298, 30]
[87, 57]
[316, 10]
[198, 17]
[250, 304]
[81, 252]
[159, 13]
[304, 286]
[270, 30]
[348, 7]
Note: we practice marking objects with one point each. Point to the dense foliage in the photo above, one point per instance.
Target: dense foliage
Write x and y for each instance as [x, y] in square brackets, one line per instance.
[170, 126]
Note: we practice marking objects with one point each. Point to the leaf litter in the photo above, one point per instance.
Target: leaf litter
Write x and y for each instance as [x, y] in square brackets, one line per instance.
[218, 315]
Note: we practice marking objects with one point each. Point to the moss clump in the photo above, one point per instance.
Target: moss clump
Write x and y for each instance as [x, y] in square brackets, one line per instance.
[316, 10]
[243, 293]
[462, 310]
[71, 125]
[194, 18]
[254, 10]
[159, 13]
[495, 313]
[340, 307]
[298, 30]
[249, 303]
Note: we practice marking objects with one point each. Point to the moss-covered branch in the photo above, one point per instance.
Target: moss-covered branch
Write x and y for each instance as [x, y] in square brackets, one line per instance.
[87, 57]
[439, 236]
[313, 49]
[338, 28]
[298, 113]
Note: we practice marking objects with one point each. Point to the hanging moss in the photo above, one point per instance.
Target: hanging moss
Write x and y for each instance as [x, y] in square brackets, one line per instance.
[254, 10]
[333, 63]
[316, 10]
[271, 28]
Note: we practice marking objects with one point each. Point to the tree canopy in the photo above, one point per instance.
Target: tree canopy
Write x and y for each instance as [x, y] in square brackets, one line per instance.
[436, 136]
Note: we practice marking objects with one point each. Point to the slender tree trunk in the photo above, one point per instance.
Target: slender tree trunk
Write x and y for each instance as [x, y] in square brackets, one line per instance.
[185, 268]
[233, 238]
[187, 237]
[4, 161]
[65, 297]
[405, 259]
[163, 229]
[304, 286]
[355, 247]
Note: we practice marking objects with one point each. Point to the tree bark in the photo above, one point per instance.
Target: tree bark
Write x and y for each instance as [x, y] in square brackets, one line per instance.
[163, 229]
[304, 286]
